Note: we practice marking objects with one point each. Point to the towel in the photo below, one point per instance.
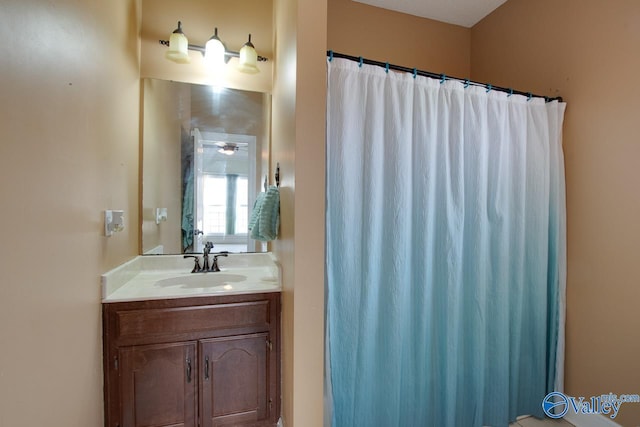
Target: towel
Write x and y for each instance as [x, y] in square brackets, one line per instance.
[256, 210]
[266, 211]
[187, 208]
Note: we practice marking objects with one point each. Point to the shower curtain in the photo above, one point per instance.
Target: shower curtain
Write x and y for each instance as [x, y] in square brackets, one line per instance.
[445, 251]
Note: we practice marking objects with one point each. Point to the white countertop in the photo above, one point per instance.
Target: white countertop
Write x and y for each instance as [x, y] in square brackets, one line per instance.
[169, 276]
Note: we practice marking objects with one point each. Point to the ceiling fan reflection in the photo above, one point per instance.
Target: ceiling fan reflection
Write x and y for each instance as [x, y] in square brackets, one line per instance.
[229, 148]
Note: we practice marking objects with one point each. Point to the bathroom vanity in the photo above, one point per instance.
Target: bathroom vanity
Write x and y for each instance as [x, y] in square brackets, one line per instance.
[197, 350]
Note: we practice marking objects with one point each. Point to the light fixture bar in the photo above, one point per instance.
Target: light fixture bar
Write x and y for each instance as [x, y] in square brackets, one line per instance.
[201, 49]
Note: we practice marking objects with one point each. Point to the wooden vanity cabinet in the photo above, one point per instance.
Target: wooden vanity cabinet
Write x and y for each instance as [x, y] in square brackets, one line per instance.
[187, 362]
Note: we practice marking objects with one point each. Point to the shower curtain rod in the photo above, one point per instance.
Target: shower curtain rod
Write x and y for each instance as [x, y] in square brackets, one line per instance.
[331, 54]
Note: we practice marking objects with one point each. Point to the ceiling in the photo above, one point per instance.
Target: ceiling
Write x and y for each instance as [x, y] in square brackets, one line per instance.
[466, 13]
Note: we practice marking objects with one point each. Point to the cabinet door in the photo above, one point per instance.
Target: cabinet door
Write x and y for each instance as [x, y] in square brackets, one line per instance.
[234, 384]
[158, 385]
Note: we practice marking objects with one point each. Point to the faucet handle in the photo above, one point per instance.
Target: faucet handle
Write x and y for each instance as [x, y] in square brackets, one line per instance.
[215, 266]
[196, 265]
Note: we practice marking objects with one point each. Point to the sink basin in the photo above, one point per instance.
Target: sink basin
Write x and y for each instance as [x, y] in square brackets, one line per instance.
[204, 280]
[167, 276]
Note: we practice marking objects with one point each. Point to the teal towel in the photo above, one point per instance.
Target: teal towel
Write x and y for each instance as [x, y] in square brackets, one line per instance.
[267, 221]
[187, 209]
[255, 213]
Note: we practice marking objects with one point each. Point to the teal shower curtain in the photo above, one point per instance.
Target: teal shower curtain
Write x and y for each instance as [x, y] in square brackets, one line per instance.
[445, 251]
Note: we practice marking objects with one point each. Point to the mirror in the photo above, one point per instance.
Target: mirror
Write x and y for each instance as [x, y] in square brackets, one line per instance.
[205, 153]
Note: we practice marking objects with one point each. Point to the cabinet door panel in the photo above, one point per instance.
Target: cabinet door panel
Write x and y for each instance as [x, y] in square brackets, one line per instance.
[234, 388]
[158, 385]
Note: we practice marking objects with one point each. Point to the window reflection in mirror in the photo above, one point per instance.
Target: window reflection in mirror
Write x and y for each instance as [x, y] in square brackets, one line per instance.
[204, 159]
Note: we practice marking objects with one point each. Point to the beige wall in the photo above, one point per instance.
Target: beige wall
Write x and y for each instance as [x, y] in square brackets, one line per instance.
[361, 30]
[283, 137]
[164, 121]
[69, 121]
[298, 145]
[588, 52]
[309, 224]
[234, 19]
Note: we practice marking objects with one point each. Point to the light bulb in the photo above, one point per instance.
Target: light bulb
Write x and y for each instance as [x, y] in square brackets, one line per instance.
[214, 52]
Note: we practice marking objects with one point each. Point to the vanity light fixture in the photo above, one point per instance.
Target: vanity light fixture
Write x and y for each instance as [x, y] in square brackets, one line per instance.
[215, 53]
[178, 46]
[248, 62]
